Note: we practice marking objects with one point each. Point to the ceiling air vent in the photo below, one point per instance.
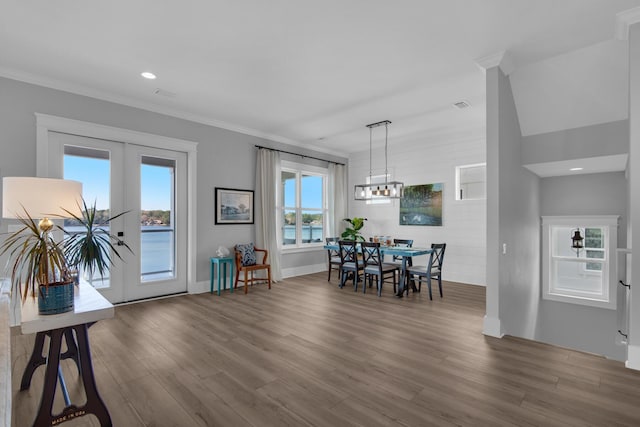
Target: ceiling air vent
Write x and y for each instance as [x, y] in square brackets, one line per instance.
[166, 93]
[461, 104]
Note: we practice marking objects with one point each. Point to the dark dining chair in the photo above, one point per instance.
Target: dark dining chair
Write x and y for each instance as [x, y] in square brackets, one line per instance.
[432, 271]
[373, 266]
[333, 256]
[350, 264]
[402, 243]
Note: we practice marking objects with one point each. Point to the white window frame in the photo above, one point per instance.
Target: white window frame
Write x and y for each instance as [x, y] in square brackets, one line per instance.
[606, 298]
[300, 169]
[586, 267]
[459, 184]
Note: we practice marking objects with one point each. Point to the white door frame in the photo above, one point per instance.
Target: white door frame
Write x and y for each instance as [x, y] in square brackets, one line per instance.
[46, 123]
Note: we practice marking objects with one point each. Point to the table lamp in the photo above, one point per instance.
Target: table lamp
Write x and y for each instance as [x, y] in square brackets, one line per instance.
[41, 198]
[37, 260]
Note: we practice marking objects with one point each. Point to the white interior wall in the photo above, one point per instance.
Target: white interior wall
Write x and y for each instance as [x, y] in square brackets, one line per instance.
[225, 158]
[423, 161]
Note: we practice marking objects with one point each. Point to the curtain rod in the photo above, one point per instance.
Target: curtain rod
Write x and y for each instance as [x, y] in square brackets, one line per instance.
[301, 155]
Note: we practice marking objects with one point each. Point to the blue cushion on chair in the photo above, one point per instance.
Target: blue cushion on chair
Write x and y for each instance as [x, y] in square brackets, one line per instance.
[248, 254]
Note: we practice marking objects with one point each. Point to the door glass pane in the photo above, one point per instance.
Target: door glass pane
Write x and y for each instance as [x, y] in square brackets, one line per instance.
[92, 167]
[157, 233]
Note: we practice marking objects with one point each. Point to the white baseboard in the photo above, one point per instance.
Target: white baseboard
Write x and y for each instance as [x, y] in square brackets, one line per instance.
[633, 357]
[200, 287]
[492, 327]
[205, 285]
[305, 269]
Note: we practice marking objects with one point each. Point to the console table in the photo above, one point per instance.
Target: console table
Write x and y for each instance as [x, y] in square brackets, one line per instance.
[89, 307]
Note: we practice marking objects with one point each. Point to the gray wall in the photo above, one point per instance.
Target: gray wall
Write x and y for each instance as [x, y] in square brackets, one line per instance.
[519, 229]
[225, 158]
[586, 328]
[633, 360]
[603, 139]
[513, 211]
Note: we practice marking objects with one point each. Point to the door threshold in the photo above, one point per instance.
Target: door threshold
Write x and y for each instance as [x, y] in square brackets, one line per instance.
[135, 301]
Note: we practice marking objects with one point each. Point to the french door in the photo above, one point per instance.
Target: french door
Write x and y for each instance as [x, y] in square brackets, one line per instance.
[150, 185]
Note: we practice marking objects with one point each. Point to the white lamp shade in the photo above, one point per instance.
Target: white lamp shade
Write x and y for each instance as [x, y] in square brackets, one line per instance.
[40, 197]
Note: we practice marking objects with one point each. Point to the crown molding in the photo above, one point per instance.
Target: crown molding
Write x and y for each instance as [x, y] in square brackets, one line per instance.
[154, 108]
[624, 20]
[500, 59]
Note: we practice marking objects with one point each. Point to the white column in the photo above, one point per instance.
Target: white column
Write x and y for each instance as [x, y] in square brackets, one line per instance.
[633, 357]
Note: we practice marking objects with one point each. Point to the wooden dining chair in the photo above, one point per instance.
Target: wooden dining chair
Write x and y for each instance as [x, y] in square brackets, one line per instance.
[247, 261]
[373, 266]
[333, 256]
[431, 271]
[350, 264]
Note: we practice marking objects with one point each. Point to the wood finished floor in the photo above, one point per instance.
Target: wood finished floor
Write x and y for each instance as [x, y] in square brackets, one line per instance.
[309, 354]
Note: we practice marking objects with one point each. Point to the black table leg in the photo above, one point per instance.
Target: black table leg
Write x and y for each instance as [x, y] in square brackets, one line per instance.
[78, 350]
[72, 349]
[35, 360]
[94, 404]
[44, 417]
[403, 279]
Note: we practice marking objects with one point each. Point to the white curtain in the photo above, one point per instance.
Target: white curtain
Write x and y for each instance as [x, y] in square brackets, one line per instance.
[337, 199]
[267, 173]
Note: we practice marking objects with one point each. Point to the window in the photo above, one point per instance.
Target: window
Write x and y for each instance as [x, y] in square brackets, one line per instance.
[471, 181]
[303, 205]
[585, 276]
[594, 247]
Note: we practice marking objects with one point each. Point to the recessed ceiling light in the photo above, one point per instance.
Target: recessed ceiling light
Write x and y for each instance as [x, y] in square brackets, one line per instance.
[575, 169]
[148, 75]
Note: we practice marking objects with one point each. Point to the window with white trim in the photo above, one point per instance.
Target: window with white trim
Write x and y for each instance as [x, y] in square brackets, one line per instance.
[471, 182]
[582, 276]
[303, 205]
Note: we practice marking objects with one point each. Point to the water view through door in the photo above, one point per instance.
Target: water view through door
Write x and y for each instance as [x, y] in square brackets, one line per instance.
[150, 185]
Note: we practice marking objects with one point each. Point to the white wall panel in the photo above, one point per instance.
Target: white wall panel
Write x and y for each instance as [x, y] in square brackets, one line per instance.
[464, 222]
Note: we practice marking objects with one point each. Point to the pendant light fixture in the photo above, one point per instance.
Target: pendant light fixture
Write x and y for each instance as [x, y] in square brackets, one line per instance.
[388, 189]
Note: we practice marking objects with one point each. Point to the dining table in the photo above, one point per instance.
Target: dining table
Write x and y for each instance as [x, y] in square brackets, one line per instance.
[397, 251]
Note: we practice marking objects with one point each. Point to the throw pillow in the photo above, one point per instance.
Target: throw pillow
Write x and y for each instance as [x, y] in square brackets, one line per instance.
[247, 254]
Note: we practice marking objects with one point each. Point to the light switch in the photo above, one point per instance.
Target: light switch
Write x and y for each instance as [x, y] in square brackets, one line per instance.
[504, 249]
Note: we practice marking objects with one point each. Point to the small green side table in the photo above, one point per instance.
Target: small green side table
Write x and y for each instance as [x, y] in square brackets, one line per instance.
[222, 263]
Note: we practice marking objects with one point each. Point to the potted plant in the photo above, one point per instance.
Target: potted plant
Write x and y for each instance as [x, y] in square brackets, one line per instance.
[353, 232]
[90, 249]
[38, 261]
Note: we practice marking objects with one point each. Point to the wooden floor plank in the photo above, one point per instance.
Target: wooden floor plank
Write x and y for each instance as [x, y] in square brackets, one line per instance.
[307, 353]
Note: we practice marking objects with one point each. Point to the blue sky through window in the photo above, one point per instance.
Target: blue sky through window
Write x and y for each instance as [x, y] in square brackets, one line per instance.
[156, 182]
[311, 192]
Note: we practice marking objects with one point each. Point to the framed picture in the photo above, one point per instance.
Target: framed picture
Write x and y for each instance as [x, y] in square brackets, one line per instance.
[234, 206]
[421, 205]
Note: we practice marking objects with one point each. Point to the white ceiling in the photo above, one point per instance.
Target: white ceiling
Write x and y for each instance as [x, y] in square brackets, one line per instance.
[308, 73]
[600, 164]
